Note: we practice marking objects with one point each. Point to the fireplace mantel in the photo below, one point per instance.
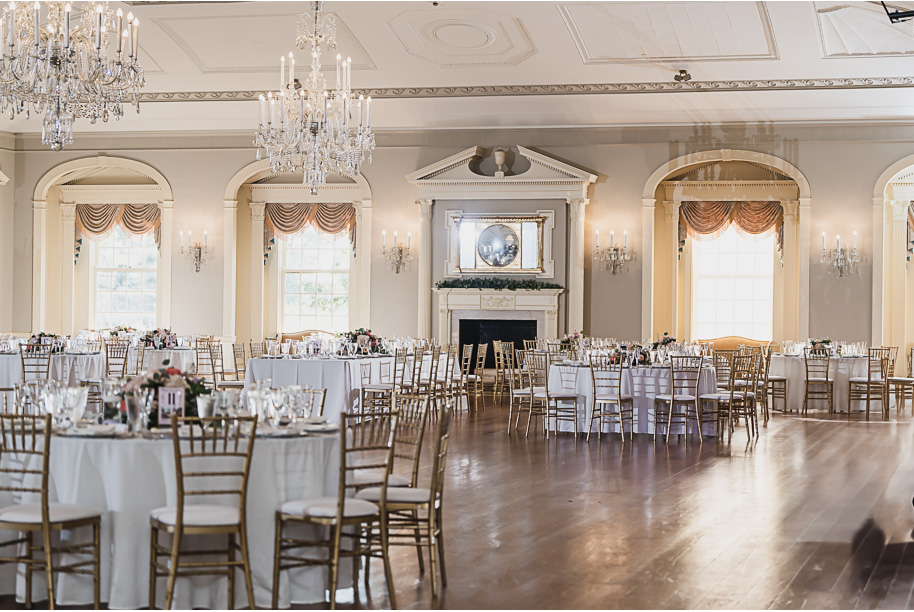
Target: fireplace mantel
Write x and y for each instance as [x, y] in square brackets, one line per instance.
[537, 304]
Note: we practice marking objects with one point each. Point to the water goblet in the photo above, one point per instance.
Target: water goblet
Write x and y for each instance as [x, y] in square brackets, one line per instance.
[135, 404]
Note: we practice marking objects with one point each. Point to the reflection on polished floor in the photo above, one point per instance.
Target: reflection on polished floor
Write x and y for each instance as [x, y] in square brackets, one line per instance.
[816, 514]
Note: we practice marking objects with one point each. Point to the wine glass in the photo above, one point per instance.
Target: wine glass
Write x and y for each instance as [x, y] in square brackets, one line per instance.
[135, 403]
[277, 399]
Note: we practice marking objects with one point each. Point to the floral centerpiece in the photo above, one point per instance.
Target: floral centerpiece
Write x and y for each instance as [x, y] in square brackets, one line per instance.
[367, 341]
[663, 340]
[116, 332]
[52, 339]
[820, 343]
[152, 380]
[150, 337]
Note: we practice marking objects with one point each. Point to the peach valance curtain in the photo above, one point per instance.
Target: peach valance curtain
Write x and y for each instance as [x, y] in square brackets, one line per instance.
[96, 221]
[290, 219]
[708, 220]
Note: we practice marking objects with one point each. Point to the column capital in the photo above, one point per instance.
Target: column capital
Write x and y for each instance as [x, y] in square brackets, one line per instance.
[425, 209]
[900, 210]
[68, 212]
[230, 204]
[40, 204]
[257, 211]
[576, 207]
[166, 204]
[791, 210]
[671, 210]
[648, 202]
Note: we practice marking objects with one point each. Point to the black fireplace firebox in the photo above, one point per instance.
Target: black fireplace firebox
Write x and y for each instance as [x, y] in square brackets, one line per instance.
[484, 331]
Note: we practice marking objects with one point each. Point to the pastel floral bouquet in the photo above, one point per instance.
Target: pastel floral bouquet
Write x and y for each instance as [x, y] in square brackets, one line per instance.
[663, 340]
[577, 338]
[152, 380]
[116, 332]
[52, 339]
[820, 343]
[160, 334]
[367, 341]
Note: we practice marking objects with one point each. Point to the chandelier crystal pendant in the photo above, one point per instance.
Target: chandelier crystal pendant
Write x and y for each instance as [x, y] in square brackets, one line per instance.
[65, 70]
[306, 126]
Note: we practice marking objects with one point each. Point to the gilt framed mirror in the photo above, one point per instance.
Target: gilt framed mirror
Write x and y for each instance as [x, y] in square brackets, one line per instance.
[499, 244]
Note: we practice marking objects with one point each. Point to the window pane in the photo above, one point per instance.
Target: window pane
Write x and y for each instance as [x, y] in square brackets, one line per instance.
[315, 285]
[125, 281]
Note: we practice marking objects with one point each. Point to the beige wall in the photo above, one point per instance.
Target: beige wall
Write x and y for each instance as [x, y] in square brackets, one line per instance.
[842, 163]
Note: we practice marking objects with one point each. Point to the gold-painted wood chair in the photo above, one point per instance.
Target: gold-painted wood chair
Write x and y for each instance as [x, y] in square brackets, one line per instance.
[116, 357]
[204, 359]
[520, 388]
[414, 514]
[239, 358]
[899, 386]
[685, 372]
[818, 384]
[873, 386]
[379, 395]
[215, 461]
[607, 394]
[25, 450]
[140, 365]
[365, 448]
[36, 361]
[221, 378]
[560, 405]
[477, 378]
[256, 349]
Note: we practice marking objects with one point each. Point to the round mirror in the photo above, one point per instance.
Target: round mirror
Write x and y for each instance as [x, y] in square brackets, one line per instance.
[498, 245]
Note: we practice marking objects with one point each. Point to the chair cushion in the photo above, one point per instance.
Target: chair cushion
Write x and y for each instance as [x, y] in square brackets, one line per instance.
[378, 387]
[232, 383]
[325, 507]
[679, 398]
[363, 477]
[818, 380]
[900, 379]
[605, 397]
[400, 495]
[863, 379]
[772, 379]
[726, 395]
[198, 515]
[556, 395]
[526, 390]
[31, 513]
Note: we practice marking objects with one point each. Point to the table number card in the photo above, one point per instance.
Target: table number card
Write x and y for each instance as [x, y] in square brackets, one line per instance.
[171, 341]
[171, 402]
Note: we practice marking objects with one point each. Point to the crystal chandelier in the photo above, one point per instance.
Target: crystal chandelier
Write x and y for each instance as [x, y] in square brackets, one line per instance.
[65, 72]
[309, 127]
[841, 260]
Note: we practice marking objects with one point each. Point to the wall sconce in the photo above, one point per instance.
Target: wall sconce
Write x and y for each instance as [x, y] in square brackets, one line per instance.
[396, 257]
[842, 261]
[195, 254]
[612, 258]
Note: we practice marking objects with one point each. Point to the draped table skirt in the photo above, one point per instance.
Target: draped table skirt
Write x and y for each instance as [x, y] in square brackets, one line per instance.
[841, 369]
[65, 367]
[125, 479]
[644, 384]
[184, 359]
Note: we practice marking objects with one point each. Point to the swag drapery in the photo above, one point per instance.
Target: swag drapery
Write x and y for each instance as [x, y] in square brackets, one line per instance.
[284, 220]
[96, 221]
[754, 220]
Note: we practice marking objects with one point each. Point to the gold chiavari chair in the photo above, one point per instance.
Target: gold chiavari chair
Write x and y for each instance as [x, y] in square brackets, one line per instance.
[140, 366]
[762, 399]
[204, 359]
[554, 404]
[449, 377]
[256, 349]
[116, 353]
[530, 345]
[722, 359]
[819, 385]
[466, 360]
[25, 450]
[520, 396]
[36, 361]
[478, 376]
[368, 450]
[378, 395]
[414, 515]
[685, 373]
[742, 403]
[899, 386]
[215, 461]
[498, 385]
[607, 394]
[875, 383]
[219, 374]
[239, 358]
[536, 368]
[413, 413]
[775, 385]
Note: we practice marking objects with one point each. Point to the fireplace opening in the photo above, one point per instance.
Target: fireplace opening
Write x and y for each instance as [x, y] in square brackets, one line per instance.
[484, 331]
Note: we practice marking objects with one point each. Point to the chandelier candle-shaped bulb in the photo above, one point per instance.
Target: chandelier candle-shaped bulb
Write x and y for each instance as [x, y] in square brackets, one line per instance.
[181, 238]
[136, 38]
[383, 235]
[348, 73]
[98, 27]
[823, 241]
[338, 57]
[326, 96]
[270, 109]
[838, 241]
[368, 113]
[409, 239]
[282, 73]
[612, 238]
[855, 240]
[291, 70]
[129, 34]
[263, 103]
[597, 240]
[66, 27]
[624, 239]
[204, 238]
[37, 27]
[395, 239]
[120, 28]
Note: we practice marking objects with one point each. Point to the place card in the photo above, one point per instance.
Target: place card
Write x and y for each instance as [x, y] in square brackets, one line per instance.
[171, 401]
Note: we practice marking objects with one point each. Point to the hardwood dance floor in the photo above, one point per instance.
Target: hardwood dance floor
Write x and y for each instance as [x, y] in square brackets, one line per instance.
[816, 513]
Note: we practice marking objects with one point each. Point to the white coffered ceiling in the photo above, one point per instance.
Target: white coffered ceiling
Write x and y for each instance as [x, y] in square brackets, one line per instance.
[518, 64]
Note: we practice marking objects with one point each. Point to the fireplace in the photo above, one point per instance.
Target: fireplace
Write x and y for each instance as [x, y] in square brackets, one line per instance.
[484, 331]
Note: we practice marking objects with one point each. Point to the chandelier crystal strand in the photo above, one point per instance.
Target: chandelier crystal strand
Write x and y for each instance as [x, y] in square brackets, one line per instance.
[309, 127]
[62, 70]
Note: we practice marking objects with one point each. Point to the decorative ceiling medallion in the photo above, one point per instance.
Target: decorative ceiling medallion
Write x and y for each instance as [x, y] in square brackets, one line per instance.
[861, 29]
[614, 32]
[563, 90]
[223, 55]
[463, 37]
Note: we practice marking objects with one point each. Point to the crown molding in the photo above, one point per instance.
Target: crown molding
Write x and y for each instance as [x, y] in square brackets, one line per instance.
[563, 90]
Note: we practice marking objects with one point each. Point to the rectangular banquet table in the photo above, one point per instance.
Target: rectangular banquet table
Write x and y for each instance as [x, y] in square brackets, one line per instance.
[128, 478]
[841, 369]
[342, 378]
[644, 384]
[65, 367]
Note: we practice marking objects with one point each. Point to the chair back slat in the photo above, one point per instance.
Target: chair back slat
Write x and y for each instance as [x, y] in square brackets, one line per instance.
[36, 361]
[116, 352]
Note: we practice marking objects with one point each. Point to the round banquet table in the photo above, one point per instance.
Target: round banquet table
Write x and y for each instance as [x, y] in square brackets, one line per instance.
[185, 359]
[841, 369]
[65, 367]
[644, 384]
[127, 478]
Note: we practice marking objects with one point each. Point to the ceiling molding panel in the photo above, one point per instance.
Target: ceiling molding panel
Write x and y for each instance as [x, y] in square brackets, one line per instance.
[463, 37]
[212, 43]
[861, 29]
[623, 32]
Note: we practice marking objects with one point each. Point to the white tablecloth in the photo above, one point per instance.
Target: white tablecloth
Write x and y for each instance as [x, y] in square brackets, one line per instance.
[644, 384]
[64, 367]
[841, 369]
[127, 479]
[342, 378]
[183, 359]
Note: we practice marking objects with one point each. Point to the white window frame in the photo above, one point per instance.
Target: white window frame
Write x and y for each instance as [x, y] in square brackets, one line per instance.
[92, 273]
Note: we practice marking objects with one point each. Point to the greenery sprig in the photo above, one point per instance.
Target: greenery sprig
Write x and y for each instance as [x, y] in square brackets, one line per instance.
[492, 282]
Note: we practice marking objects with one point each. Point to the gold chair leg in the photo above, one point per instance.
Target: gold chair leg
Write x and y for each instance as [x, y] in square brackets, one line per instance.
[172, 569]
[96, 562]
[277, 541]
[153, 539]
[440, 539]
[246, 564]
[417, 534]
[335, 564]
[388, 573]
[49, 567]
[231, 573]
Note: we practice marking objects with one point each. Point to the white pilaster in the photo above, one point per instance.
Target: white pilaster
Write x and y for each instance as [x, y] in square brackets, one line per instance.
[896, 294]
[803, 236]
[790, 323]
[229, 266]
[881, 263]
[363, 265]
[671, 214]
[257, 219]
[39, 263]
[576, 212]
[424, 328]
[163, 300]
[67, 267]
[647, 267]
